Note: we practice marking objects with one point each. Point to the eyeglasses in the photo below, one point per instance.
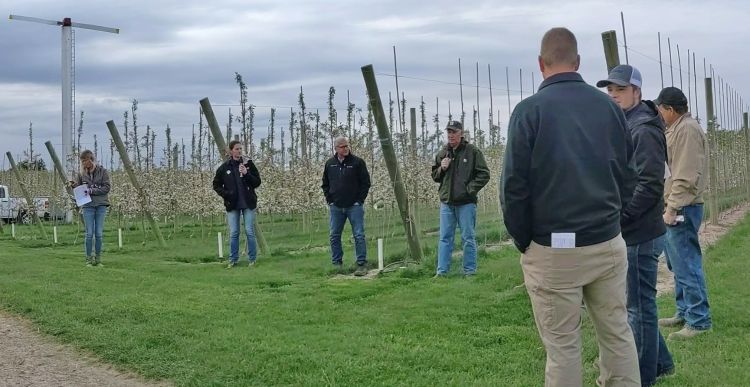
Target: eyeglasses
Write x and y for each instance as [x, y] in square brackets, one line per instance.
[342, 146]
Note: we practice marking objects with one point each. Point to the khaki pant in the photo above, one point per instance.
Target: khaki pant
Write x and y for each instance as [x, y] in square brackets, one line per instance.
[557, 280]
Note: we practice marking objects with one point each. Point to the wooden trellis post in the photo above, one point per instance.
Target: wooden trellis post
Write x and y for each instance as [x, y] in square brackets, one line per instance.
[25, 192]
[391, 161]
[131, 174]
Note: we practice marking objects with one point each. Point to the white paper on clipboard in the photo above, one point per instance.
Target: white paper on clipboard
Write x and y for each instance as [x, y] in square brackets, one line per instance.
[81, 195]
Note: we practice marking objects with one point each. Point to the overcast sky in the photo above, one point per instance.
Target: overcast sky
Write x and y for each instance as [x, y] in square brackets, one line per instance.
[170, 54]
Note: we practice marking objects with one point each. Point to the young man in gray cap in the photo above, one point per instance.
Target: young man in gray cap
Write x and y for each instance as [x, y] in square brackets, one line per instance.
[461, 171]
[567, 175]
[683, 195]
[641, 220]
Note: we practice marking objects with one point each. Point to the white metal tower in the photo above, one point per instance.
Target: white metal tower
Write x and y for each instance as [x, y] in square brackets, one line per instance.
[68, 80]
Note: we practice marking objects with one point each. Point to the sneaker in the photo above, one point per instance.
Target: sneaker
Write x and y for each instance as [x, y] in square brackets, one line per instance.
[231, 265]
[338, 267]
[97, 260]
[671, 322]
[251, 264]
[360, 271]
[439, 276]
[470, 275]
[686, 333]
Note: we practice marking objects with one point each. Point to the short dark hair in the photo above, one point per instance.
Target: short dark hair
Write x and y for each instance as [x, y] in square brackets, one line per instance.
[87, 154]
[559, 46]
[233, 143]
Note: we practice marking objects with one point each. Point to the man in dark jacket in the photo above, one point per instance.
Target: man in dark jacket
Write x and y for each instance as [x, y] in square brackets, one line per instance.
[461, 171]
[346, 183]
[235, 181]
[567, 175]
[642, 226]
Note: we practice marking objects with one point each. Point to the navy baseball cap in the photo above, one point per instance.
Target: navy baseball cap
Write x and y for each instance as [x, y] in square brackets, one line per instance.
[622, 75]
[671, 96]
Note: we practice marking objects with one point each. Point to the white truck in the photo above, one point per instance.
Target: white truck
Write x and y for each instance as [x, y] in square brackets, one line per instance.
[17, 210]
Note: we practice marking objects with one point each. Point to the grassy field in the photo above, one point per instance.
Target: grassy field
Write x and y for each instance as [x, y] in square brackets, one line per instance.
[177, 314]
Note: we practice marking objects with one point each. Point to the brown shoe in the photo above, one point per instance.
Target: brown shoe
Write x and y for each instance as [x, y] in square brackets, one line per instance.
[671, 322]
[686, 333]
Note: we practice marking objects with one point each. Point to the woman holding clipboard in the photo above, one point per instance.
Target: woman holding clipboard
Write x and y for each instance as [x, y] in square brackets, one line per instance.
[95, 179]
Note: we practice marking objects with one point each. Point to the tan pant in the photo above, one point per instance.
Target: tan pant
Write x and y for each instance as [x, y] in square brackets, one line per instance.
[557, 280]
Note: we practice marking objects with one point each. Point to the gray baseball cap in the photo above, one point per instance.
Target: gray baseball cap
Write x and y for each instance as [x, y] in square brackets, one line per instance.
[622, 75]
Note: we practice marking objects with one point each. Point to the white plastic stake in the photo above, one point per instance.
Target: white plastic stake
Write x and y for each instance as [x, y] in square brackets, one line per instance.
[13, 230]
[119, 237]
[54, 233]
[380, 254]
[221, 245]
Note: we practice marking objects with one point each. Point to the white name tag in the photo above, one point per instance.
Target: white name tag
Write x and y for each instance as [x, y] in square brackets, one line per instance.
[667, 172]
[563, 240]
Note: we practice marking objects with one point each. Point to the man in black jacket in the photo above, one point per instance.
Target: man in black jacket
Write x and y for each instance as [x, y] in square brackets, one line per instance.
[566, 178]
[642, 226]
[346, 183]
[235, 181]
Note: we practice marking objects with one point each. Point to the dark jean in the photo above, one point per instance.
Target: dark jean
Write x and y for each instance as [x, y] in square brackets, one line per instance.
[93, 219]
[685, 260]
[356, 216]
[654, 358]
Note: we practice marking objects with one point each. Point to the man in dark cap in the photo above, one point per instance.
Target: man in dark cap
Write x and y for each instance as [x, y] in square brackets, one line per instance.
[461, 171]
[641, 221]
[683, 195]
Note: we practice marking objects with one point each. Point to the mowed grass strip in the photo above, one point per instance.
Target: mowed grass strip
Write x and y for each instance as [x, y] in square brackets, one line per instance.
[289, 321]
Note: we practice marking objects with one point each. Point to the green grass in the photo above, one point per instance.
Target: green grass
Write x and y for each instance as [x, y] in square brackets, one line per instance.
[288, 321]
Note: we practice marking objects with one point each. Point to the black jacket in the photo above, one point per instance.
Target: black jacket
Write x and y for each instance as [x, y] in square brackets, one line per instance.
[225, 184]
[642, 217]
[568, 165]
[347, 182]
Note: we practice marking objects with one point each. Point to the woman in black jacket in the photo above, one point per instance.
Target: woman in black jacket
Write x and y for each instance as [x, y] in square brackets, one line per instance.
[235, 181]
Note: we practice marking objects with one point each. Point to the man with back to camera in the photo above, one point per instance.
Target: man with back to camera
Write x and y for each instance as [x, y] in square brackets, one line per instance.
[642, 225]
[566, 177]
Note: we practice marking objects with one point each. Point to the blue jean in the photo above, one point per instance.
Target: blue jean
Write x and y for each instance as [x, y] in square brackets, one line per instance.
[654, 358]
[685, 260]
[356, 216]
[465, 216]
[93, 219]
[233, 218]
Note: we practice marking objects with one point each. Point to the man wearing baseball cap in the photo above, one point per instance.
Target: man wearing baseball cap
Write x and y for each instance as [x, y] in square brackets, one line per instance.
[683, 196]
[461, 170]
[642, 226]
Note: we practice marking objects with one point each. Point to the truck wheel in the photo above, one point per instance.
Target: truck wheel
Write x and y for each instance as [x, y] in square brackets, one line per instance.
[24, 217]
